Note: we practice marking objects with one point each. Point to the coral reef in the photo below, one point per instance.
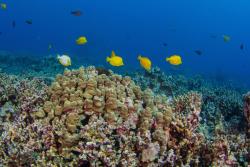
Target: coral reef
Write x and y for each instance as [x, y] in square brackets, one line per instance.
[20, 95]
[222, 103]
[94, 117]
[246, 99]
[101, 119]
[247, 107]
[19, 99]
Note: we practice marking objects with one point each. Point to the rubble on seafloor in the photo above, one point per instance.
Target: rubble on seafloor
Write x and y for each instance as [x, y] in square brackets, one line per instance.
[86, 118]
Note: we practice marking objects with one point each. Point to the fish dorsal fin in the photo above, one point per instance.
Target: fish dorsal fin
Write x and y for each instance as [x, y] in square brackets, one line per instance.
[113, 54]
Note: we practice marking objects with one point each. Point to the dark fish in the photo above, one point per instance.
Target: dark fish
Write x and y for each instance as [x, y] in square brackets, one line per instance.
[198, 52]
[13, 24]
[76, 13]
[241, 46]
[28, 21]
[165, 44]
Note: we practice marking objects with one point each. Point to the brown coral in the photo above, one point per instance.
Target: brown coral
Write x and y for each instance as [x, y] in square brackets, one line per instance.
[98, 106]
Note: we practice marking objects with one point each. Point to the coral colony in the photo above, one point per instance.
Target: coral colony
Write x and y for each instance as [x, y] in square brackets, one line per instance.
[87, 117]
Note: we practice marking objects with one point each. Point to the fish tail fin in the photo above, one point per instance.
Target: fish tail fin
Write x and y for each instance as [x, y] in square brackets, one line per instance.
[107, 59]
[57, 56]
[167, 59]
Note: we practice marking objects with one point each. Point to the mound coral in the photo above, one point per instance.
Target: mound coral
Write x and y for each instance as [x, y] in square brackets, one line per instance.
[101, 119]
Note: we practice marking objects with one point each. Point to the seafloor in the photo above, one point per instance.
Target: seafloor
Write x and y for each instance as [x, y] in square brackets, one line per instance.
[91, 116]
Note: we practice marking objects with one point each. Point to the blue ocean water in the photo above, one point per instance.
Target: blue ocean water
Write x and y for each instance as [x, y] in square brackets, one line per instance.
[156, 29]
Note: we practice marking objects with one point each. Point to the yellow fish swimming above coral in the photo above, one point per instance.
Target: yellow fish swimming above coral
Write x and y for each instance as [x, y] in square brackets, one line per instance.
[3, 6]
[174, 60]
[115, 60]
[145, 62]
[64, 60]
[81, 40]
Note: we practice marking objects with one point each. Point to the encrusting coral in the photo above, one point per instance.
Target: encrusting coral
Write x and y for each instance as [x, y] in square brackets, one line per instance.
[87, 118]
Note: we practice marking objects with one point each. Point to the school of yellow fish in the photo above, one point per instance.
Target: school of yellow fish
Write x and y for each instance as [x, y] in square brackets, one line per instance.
[115, 60]
[145, 62]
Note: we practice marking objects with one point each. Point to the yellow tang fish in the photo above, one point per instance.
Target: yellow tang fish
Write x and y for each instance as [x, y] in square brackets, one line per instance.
[174, 60]
[145, 62]
[81, 40]
[64, 60]
[3, 6]
[226, 38]
[115, 60]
